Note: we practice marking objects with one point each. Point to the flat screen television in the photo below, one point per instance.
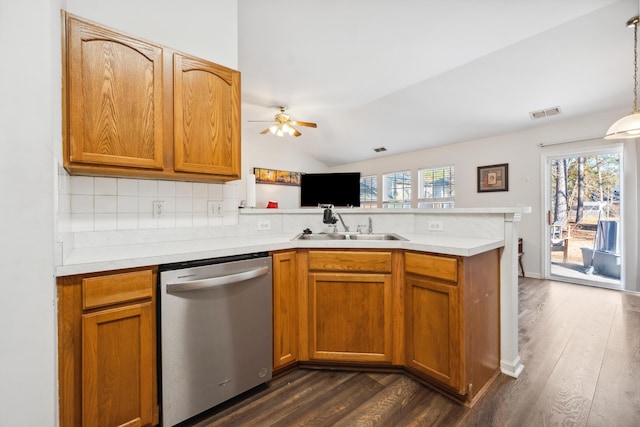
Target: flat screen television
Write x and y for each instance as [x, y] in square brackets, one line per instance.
[338, 189]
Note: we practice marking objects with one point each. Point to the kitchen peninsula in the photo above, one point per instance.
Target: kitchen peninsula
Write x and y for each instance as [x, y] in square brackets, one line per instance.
[457, 239]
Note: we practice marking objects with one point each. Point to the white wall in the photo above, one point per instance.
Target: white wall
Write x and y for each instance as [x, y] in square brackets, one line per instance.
[30, 85]
[30, 119]
[522, 152]
[207, 29]
[271, 152]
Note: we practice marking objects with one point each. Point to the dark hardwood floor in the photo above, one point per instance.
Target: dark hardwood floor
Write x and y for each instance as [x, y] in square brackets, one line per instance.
[580, 346]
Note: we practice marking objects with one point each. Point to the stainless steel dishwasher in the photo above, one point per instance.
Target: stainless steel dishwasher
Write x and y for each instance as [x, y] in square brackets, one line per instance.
[215, 332]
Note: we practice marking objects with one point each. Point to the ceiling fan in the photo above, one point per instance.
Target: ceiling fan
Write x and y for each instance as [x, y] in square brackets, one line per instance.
[284, 125]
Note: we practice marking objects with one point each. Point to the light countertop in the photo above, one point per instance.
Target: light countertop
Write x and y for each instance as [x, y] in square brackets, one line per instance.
[114, 257]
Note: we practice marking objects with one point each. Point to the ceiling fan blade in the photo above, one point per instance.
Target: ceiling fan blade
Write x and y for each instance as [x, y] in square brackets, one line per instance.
[307, 124]
[265, 131]
[295, 131]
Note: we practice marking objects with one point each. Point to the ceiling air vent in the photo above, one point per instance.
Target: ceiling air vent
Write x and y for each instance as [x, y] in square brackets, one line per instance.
[379, 149]
[553, 111]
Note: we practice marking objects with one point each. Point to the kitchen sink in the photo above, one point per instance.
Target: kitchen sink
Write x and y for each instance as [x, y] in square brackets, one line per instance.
[321, 236]
[375, 236]
[348, 236]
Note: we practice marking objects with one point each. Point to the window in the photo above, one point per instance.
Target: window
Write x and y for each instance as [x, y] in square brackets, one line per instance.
[397, 190]
[436, 187]
[369, 192]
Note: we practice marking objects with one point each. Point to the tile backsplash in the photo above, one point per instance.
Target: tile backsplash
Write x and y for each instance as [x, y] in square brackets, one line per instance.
[88, 203]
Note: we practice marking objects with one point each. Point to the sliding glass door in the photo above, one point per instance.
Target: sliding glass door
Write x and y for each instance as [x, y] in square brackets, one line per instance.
[583, 224]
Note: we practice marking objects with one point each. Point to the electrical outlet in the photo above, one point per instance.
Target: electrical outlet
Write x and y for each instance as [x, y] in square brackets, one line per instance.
[214, 207]
[264, 225]
[434, 225]
[158, 208]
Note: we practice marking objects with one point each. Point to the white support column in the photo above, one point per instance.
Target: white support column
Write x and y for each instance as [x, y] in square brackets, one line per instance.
[510, 363]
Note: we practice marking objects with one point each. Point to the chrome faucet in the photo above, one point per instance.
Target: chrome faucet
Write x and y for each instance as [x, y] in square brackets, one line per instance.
[346, 227]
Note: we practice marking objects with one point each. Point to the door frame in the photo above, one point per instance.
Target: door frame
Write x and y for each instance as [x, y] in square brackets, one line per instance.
[598, 146]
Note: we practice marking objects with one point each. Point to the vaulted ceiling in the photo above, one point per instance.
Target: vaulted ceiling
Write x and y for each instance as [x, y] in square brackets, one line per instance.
[411, 74]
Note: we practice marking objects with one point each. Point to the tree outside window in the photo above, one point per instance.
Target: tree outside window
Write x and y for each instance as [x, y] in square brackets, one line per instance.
[583, 185]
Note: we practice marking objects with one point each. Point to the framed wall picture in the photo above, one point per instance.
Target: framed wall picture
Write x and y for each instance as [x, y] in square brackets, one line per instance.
[493, 178]
[273, 176]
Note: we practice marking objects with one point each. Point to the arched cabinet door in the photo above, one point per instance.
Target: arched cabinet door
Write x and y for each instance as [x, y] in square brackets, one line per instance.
[114, 96]
[206, 124]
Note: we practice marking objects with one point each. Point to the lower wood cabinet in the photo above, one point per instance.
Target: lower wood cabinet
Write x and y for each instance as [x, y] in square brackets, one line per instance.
[452, 319]
[433, 330]
[285, 309]
[107, 349]
[436, 316]
[349, 297]
[350, 317]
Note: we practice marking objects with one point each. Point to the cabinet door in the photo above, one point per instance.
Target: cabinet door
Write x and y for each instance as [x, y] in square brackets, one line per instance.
[206, 117]
[285, 309]
[350, 317]
[432, 327]
[117, 366]
[113, 112]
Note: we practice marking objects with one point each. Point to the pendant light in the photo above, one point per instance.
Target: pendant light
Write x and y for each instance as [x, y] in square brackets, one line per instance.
[629, 126]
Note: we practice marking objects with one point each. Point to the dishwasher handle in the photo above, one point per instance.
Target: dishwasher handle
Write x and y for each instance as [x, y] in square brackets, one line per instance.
[214, 282]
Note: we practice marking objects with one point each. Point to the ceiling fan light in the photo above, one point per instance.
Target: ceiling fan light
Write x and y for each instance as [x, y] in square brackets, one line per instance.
[625, 128]
[284, 126]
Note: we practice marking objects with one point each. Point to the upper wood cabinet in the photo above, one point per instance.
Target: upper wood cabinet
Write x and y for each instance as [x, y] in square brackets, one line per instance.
[134, 108]
[206, 104]
[114, 98]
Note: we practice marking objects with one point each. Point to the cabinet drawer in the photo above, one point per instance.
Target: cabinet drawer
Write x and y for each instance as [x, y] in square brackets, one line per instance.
[110, 289]
[379, 262]
[438, 267]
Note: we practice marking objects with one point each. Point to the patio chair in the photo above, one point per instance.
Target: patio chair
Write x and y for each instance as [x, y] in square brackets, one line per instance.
[560, 235]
